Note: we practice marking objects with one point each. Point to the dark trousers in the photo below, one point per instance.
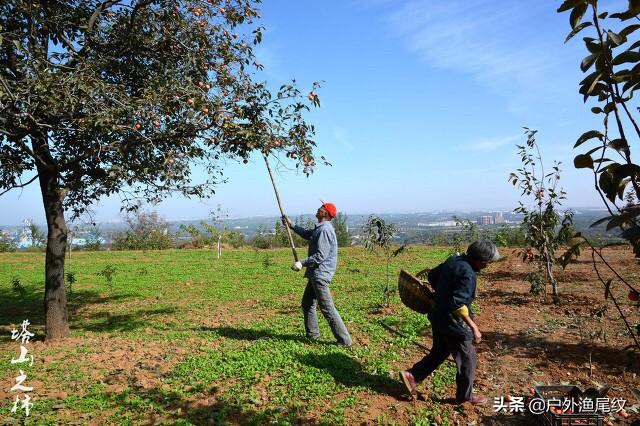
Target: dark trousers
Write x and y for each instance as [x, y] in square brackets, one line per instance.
[464, 354]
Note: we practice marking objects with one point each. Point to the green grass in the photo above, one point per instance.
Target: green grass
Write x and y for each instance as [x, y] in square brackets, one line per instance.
[229, 330]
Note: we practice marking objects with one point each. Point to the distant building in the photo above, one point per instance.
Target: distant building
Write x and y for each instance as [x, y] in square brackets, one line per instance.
[445, 223]
[498, 218]
[23, 235]
[484, 220]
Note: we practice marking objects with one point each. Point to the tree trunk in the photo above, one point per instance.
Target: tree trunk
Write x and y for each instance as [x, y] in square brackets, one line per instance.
[552, 279]
[55, 298]
[386, 293]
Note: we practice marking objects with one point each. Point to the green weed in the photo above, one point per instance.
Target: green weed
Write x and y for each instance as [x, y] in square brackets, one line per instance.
[245, 358]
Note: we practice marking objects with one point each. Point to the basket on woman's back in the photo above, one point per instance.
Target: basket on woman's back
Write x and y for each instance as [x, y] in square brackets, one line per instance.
[414, 293]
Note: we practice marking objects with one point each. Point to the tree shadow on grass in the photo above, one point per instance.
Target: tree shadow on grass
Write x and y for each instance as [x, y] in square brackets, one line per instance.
[15, 308]
[123, 322]
[207, 408]
[349, 372]
[256, 334]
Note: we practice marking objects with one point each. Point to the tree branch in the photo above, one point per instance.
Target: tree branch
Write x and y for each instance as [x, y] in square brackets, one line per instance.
[624, 105]
[6, 87]
[67, 43]
[22, 185]
[136, 8]
[30, 152]
[608, 292]
[96, 13]
[597, 170]
[612, 95]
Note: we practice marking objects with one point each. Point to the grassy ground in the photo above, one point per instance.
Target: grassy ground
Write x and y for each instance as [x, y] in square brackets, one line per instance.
[180, 337]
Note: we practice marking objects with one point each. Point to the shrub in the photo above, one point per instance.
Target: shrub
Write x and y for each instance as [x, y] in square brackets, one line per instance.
[6, 243]
[147, 231]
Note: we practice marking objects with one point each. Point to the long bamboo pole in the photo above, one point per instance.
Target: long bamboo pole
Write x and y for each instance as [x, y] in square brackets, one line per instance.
[275, 189]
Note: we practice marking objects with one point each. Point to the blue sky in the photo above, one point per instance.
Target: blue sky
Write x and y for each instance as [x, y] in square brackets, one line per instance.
[422, 105]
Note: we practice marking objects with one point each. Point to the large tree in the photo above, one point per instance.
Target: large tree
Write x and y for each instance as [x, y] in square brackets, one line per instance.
[132, 97]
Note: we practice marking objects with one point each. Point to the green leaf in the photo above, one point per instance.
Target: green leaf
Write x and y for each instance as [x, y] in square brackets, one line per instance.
[627, 56]
[576, 15]
[609, 107]
[587, 136]
[632, 170]
[611, 167]
[617, 39]
[589, 78]
[619, 145]
[628, 30]
[621, 187]
[607, 186]
[623, 218]
[621, 76]
[583, 161]
[593, 84]
[569, 4]
[591, 151]
[593, 45]
[602, 160]
[600, 221]
[576, 30]
[588, 61]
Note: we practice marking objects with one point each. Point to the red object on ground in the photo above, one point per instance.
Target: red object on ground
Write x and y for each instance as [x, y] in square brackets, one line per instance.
[633, 295]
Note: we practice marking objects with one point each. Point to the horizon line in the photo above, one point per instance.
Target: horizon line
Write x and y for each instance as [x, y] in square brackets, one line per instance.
[434, 211]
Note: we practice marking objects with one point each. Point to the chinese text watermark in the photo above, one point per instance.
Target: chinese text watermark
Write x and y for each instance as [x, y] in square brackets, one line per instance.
[23, 399]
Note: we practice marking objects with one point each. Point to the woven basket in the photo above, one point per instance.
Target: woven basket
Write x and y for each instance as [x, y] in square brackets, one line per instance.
[413, 293]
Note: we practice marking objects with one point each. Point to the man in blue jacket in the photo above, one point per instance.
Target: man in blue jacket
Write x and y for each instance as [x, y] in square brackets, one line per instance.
[321, 263]
[454, 331]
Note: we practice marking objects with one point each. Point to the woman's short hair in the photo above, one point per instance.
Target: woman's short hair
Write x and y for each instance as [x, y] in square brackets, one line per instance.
[483, 251]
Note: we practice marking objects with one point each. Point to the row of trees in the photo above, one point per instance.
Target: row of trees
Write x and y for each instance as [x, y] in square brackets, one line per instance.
[149, 231]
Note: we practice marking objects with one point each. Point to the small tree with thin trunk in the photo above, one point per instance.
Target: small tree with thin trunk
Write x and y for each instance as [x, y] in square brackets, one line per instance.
[37, 235]
[545, 228]
[342, 230]
[379, 235]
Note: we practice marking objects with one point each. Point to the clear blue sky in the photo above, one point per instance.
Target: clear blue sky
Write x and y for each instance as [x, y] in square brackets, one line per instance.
[422, 105]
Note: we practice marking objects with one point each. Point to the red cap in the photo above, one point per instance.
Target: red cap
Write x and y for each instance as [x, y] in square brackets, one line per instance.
[330, 208]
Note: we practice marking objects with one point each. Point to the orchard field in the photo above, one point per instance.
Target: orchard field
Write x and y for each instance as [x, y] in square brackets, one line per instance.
[180, 337]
